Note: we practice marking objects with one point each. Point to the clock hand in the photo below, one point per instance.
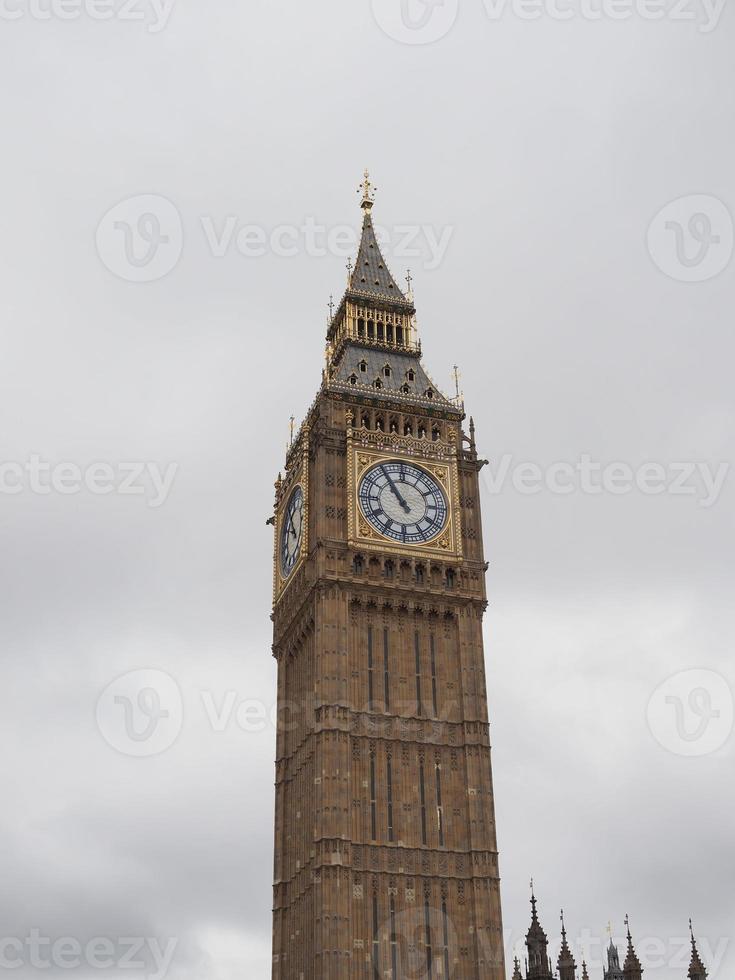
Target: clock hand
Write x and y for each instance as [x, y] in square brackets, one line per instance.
[399, 497]
[290, 527]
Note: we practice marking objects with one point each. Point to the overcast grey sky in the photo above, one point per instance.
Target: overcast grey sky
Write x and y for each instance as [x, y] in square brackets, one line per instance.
[529, 161]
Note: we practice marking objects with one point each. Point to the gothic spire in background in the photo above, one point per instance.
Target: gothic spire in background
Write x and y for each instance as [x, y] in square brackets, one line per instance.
[632, 969]
[696, 967]
[539, 964]
[566, 965]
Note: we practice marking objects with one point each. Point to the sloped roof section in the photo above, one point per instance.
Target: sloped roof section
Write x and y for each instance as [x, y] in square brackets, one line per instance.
[371, 275]
[400, 368]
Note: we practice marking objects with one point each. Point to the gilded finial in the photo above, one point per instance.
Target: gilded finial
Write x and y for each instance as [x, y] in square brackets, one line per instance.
[409, 284]
[350, 267]
[292, 420]
[367, 189]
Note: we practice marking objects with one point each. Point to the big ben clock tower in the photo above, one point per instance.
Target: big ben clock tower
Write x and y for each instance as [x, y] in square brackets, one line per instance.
[386, 862]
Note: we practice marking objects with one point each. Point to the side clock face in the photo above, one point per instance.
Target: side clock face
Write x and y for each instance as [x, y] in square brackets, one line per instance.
[292, 531]
[403, 502]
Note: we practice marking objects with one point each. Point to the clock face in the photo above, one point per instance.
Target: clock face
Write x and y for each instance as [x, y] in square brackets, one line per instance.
[292, 531]
[403, 502]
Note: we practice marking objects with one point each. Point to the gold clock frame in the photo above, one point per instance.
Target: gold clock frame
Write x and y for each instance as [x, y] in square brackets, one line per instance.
[366, 448]
[298, 476]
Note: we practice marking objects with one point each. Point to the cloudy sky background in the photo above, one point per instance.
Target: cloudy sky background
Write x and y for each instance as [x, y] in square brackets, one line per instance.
[545, 149]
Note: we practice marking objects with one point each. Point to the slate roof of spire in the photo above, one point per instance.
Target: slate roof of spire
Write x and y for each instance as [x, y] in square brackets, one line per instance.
[371, 276]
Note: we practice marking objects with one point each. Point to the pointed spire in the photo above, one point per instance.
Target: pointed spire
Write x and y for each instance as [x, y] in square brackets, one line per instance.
[539, 964]
[517, 975]
[565, 965]
[370, 275]
[632, 969]
[585, 974]
[696, 967]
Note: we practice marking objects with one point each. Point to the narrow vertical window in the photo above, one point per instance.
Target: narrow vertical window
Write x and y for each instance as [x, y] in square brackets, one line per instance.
[422, 797]
[393, 940]
[439, 807]
[376, 939]
[433, 674]
[370, 668]
[427, 936]
[445, 921]
[373, 800]
[390, 798]
[386, 677]
[417, 650]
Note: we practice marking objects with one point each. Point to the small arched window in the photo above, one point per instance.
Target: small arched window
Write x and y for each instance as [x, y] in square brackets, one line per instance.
[358, 565]
[363, 367]
[399, 335]
[361, 327]
[378, 383]
[387, 371]
[353, 379]
[370, 330]
[420, 574]
[410, 375]
[406, 390]
[450, 578]
[430, 393]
